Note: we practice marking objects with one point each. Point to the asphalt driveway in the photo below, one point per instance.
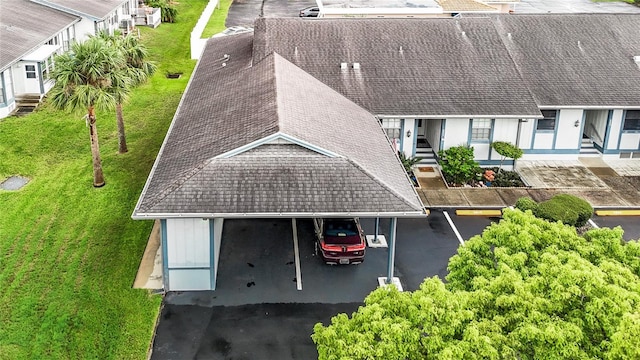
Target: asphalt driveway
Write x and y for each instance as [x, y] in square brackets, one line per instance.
[244, 12]
[256, 311]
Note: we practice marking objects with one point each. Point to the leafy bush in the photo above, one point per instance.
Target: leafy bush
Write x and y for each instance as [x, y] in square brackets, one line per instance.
[458, 166]
[526, 203]
[569, 209]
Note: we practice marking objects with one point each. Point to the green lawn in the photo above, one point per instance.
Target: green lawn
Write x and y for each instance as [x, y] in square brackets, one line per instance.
[68, 252]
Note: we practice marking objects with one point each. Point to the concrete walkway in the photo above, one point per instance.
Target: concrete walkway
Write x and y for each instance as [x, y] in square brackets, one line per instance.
[607, 184]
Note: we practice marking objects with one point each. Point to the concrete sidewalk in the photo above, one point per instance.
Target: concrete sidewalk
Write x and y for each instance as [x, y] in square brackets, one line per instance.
[597, 181]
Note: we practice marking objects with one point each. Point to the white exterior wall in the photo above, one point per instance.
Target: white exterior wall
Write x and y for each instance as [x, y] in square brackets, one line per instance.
[615, 127]
[527, 127]
[630, 141]
[188, 254]
[407, 142]
[569, 135]
[432, 133]
[84, 28]
[217, 240]
[504, 130]
[9, 103]
[456, 132]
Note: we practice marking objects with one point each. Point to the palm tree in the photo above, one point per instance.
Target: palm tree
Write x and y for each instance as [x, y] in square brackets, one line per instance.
[83, 78]
[136, 72]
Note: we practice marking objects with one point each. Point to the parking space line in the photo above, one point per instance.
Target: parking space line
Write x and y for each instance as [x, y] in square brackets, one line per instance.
[592, 223]
[453, 227]
[296, 252]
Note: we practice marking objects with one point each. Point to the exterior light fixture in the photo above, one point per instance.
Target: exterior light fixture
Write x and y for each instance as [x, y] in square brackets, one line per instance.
[577, 123]
[408, 133]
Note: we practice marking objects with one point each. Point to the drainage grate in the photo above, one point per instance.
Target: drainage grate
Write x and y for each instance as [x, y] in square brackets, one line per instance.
[14, 183]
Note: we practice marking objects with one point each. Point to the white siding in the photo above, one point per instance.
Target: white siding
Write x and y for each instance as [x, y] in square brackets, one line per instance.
[188, 243]
[481, 151]
[189, 279]
[83, 29]
[432, 133]
[407, 142]
[504, 130]
[526, 133]
[615, 126]
[456, 133]
[569, 135]
[543, 140]
[630, 141]
[217, 240]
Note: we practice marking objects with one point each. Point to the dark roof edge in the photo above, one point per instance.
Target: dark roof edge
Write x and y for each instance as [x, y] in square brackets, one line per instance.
[372, 214]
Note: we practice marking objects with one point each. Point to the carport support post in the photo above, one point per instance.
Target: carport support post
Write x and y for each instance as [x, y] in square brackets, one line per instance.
[392, 250]
[375, 238]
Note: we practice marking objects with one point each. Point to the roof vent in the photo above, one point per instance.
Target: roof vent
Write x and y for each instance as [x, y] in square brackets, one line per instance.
[637, 60]
[343, 66]
[401, 51]
[356, 66]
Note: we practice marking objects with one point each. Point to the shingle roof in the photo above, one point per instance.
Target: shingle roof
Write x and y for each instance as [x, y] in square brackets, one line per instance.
[97, 9]
[22, 28]
[576, 60]
[460, 65]
[228, 107]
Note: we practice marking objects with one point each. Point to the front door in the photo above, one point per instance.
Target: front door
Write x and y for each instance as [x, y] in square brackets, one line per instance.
[31, 77]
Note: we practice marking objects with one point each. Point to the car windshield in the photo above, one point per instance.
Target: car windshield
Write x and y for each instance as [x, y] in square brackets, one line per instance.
[342, 232]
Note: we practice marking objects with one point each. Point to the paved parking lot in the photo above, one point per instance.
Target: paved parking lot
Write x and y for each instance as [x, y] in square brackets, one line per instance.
[257, 311]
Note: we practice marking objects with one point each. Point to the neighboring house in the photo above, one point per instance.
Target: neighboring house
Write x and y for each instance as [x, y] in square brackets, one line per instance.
[32, 32]
[96, 16]
[261, 139]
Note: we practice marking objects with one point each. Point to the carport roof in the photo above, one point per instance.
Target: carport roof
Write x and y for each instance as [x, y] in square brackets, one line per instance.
[267, 139]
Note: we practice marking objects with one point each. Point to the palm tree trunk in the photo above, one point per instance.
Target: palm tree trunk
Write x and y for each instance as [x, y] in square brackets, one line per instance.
[98, 176]
[122, 140]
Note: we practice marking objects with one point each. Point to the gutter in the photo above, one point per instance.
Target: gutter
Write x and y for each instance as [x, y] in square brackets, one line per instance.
[405, 214]
[475, 116]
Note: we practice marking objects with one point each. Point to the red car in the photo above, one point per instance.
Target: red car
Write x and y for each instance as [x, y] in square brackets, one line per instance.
[340, 241]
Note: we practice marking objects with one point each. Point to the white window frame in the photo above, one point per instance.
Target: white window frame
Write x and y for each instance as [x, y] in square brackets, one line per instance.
[392, 127]
[481, 130]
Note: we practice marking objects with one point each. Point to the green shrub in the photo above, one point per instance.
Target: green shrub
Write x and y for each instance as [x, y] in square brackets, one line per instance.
[579, 205]
[526, 203]
[569, 209]
[458, 166]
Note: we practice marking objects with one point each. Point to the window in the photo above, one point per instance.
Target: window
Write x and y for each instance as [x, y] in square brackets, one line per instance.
[632, 120]
[46, 67]
[30, 71]
[392, 128]
[549, 120]
[480, 129]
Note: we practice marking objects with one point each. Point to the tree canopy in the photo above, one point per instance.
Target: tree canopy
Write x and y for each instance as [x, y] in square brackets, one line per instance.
[524, 289]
